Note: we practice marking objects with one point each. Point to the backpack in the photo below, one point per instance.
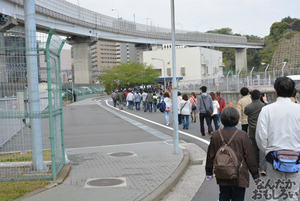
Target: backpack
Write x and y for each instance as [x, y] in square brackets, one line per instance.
[154, 99]
[162, 106]
[194, 107]
[226, 163]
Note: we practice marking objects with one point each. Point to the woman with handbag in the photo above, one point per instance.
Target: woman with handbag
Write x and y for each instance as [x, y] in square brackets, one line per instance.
[185, 111]
[193, 101]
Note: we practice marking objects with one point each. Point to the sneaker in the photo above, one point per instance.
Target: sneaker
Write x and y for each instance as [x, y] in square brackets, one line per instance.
[183, 127]
[168, 124]
[263, 173]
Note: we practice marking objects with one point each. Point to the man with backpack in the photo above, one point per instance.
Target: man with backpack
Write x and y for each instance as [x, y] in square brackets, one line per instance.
[230, 155]
[155, 101]
[277, 135]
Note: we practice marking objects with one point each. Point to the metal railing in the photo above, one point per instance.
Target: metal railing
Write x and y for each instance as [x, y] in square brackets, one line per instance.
[16, 117]
[233, 83]
[71, 13]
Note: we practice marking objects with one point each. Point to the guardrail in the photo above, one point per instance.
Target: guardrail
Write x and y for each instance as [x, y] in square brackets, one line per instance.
[260, 80]
[71, 13]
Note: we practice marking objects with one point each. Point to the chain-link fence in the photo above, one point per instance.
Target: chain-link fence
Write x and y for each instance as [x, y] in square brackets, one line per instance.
[233, 83]
[20, 125]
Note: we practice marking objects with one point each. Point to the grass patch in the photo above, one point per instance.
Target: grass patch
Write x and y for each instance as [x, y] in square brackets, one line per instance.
[23, 157]
[11, 190]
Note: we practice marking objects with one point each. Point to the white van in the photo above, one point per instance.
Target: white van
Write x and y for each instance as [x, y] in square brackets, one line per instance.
[296, 79]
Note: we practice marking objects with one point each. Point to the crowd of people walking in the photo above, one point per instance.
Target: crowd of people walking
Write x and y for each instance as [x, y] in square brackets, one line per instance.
[268, 143]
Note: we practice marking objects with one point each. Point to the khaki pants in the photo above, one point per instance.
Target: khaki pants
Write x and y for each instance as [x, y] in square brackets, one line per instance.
[284, 185]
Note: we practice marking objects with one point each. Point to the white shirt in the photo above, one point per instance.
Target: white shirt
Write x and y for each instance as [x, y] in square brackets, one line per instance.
[168, 104]
[130, 97]
[216, 107]
[278, 126]
[186, 107]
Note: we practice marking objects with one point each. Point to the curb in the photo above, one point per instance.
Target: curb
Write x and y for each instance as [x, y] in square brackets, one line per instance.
[171, 182]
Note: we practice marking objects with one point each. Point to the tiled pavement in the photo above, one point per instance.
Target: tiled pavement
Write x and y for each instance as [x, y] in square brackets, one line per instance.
[151, 164]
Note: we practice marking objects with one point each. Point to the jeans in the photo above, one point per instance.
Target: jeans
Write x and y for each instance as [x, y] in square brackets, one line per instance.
[245, 127]
[167, 117]
[208, 122]
[137, 106]
[231, 193]
[215, 119]
[219, 122]
[130, 104]
[185, 120]
[154, 106]
[149, 106]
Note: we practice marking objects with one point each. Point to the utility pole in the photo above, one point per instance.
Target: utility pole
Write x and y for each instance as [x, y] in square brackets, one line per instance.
[174, 83]
[33, 86]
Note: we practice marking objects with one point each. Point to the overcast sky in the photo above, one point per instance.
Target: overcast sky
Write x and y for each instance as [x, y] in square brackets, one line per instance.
[252, 17]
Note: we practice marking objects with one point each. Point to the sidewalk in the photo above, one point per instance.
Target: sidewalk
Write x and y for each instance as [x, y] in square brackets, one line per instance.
[132, 171]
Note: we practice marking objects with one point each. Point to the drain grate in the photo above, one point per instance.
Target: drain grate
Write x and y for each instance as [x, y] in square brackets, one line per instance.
[105, 182]
[121, 154]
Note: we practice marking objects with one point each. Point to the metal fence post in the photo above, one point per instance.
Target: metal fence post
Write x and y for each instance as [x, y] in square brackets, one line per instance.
[227, 79]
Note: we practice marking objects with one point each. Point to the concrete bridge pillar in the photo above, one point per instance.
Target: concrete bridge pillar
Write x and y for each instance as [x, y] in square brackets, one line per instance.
[81, 59]
[240, 59]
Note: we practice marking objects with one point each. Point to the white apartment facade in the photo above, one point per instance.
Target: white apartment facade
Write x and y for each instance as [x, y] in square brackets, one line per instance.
[192, 63]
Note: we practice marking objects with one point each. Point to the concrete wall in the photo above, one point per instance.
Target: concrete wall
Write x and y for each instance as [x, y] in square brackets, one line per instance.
[197, 62]
[234, 97]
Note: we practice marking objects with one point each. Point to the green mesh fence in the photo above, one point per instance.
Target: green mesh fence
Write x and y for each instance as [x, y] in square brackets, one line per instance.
[17, 155]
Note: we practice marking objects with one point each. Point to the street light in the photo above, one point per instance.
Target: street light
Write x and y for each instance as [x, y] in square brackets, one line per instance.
[251, 77]
[180, 25]
[227, 78]
[282, 73]
[114, 9]
[164, 71]
[239, 80]
[148, 18]
[266, 72]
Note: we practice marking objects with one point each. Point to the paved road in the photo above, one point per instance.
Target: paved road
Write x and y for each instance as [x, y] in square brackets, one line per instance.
[209, 190]
[99, 121]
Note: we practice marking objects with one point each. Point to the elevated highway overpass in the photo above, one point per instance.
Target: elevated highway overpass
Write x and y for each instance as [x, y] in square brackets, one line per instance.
[83, 26]
[69, 19]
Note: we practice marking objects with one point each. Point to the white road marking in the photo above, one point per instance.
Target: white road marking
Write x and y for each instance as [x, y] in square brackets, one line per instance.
[167, 127]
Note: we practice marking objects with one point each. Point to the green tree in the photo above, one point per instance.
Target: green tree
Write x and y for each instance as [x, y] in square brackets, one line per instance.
[288, 19]
[278, 29]
[128, 74]
[296, 25]
[226, 31]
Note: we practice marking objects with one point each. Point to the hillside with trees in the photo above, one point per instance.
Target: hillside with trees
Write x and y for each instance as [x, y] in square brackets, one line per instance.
[281, 45]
